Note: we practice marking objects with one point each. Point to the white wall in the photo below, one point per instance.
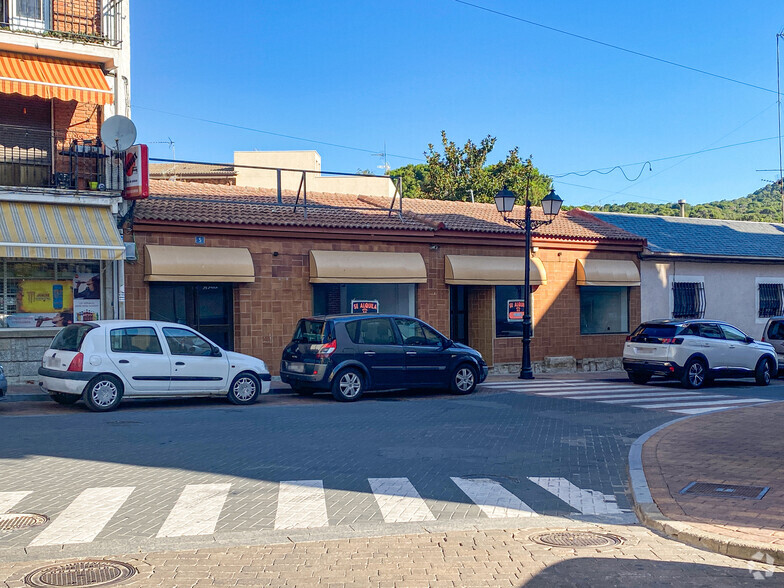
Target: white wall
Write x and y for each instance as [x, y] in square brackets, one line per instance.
[731, 290]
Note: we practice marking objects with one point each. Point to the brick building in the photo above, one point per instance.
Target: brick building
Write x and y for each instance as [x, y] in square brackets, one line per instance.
[243, 267]
[64, 68]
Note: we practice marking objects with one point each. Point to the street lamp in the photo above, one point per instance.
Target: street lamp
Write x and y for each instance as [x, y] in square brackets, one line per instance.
[551, 204]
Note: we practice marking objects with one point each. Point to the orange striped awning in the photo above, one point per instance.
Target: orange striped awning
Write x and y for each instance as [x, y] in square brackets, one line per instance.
[48, 77]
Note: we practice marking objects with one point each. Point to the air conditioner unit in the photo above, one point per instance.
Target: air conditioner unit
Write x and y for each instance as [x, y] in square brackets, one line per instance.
[130, 251]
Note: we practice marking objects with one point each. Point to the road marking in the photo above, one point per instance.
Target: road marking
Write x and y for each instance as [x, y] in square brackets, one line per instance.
[701, 410]
[549, 386]
[301, 505]
[715, 402]
[614, 390]
[590, 502]
[639, 396]
[399, 501]
[85, 517]
[494, 500]
[697, 399]
[9, 499]
[196, 511]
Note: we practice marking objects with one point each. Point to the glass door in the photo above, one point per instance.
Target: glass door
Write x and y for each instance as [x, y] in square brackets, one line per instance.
[458, 314]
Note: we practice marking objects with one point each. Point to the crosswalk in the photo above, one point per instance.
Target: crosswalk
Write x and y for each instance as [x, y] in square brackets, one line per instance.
[301, 504]
[676, 401]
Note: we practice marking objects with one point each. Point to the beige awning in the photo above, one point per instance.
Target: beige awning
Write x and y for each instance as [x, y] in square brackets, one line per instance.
[607, 272]
[357, 267]
[197, 264]
[492, 271]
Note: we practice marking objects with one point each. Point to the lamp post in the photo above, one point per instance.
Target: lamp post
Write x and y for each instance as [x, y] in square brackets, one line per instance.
[551, 204]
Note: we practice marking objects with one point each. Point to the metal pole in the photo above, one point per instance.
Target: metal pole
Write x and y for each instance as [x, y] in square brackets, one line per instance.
[526, 373]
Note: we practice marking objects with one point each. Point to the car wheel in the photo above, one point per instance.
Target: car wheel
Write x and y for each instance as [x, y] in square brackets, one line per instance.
[103, 393]
[244, 389]
[61, 398]
[694, 373]
[764, 371]
[639, 377]
[464, 380]
[348, 386]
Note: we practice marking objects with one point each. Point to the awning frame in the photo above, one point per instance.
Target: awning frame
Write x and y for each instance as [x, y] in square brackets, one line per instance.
[607, 272]
[488, 270]
[366, 267]
[194, 264]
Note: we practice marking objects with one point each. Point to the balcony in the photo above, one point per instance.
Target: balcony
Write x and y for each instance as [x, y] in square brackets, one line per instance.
[82, 21]
[40, 158]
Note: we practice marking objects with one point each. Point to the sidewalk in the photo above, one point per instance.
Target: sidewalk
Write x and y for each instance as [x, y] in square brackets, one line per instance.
[742, 447]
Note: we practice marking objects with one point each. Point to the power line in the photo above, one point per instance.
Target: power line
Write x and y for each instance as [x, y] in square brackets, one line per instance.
[616, 47]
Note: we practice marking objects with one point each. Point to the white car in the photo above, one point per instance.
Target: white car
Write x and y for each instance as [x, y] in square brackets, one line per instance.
[694, 351]
[104, 361]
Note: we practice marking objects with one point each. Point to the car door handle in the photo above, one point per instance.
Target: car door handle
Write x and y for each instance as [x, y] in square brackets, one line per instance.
[179, 363]
[370, 352]
[411, 352]
[123, 361]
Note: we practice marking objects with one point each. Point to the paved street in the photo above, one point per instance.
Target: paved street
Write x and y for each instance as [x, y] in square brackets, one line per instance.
[157, 476]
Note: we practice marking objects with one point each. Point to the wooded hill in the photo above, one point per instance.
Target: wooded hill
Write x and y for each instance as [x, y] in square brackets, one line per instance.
[763, 205]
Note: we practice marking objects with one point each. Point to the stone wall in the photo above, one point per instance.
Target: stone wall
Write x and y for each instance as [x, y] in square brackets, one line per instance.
[21, 351]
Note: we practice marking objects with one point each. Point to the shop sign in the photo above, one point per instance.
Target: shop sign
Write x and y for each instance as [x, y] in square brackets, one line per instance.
[515, 311]
[137, 177]
[57, 303]
[364, 307]
[87, 297]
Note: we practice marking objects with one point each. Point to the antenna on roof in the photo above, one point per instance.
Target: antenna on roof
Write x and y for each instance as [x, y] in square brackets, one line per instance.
[383, 155]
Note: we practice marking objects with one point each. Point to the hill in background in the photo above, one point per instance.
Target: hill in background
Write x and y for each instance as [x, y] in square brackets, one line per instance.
[763, 205]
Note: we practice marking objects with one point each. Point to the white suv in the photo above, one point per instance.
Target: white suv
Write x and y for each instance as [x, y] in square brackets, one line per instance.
[694, 351]
[104, 361]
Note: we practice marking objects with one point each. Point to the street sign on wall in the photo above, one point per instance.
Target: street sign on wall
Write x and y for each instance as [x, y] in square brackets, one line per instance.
[364, 307]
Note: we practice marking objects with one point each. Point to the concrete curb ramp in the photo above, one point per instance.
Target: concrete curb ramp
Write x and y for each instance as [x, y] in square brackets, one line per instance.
[650, 515]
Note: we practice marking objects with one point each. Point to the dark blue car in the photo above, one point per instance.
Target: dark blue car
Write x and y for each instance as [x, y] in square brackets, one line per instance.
[349, 354]
[3, 384]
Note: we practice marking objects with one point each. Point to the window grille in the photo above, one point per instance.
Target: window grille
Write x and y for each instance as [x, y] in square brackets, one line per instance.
[771, 300]
[688, 300]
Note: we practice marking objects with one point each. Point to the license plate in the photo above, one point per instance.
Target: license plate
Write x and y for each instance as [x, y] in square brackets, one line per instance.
[54, 362]
[643, 350]
[297, 367]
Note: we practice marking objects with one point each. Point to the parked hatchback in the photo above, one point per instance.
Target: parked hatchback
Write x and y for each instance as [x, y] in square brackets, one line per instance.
[774, 334]
[349, 354]
[694, 351]
[105, 361]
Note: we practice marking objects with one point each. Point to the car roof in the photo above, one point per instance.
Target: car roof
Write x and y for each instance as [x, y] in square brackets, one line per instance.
[119, 323]
[677, 322]
[348, 317]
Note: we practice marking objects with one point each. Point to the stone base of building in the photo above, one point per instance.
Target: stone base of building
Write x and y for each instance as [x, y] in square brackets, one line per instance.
[562, 365]
[21, 351]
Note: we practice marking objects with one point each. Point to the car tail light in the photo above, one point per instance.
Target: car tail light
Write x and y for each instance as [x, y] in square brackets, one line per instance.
[672, 340]
[77, 363]
[327, 349]
[628, 337]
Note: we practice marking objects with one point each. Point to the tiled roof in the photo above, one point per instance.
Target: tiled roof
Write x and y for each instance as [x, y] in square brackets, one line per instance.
[702, 236]
[167, 170]
[210, 203]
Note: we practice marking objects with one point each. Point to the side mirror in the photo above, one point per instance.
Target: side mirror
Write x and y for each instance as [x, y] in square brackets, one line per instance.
[216, 352]
[749, 339]
[448, 343]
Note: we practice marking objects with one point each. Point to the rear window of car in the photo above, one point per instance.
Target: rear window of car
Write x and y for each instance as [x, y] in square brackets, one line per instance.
[776, 330]
[371, 331]
[71, 337]
[135, 340]
[310, 331]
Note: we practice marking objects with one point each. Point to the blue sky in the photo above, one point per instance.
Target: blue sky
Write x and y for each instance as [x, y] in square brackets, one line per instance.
[361, 74]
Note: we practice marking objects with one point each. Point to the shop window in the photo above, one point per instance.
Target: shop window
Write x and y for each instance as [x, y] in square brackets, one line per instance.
[503, 326]
[392, 298]
[604, 310]
[688, 300]
[135, 340]
[36, 294]
[771, 300]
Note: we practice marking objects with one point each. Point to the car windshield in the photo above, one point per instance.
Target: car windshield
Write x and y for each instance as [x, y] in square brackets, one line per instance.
[71, 337]
[309, 331]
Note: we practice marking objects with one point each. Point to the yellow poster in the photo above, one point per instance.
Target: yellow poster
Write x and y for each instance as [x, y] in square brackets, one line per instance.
[44, 296]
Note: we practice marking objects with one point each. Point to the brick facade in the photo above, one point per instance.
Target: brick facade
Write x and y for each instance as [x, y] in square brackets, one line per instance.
[267, 310]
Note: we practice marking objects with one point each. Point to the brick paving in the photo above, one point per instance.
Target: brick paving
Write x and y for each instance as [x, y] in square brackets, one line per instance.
[741, 446]
[460, 558]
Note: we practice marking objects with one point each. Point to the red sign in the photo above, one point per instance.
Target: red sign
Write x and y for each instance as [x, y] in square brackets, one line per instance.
[515, 311]
[364, 307]
[137, 177]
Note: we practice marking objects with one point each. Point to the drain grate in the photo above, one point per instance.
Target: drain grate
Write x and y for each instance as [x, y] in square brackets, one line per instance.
[726, 490]
[577, 539]
[81, 573]
[13, 520]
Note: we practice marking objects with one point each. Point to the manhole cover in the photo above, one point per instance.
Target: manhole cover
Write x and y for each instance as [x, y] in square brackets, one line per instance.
[726, 490]
[14, 520]
[81, 573]
[576, 539]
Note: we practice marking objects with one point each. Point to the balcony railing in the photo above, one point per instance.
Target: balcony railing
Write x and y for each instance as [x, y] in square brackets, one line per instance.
[85, 21]
[40, 158]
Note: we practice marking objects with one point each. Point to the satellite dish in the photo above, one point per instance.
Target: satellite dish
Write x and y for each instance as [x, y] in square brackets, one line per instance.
[118, 132]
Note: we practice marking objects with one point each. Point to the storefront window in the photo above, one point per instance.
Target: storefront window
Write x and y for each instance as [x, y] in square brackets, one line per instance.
[504, 327]
[337, 298]
[604, 310]
[36, 294]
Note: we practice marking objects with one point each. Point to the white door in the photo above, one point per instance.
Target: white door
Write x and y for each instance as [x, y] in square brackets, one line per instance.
[29, 15]
[740, 354]
[137, 354]
[197, 364]
[713, 345]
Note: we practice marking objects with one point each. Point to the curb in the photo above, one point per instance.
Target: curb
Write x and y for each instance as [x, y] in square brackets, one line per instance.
[650, 515]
